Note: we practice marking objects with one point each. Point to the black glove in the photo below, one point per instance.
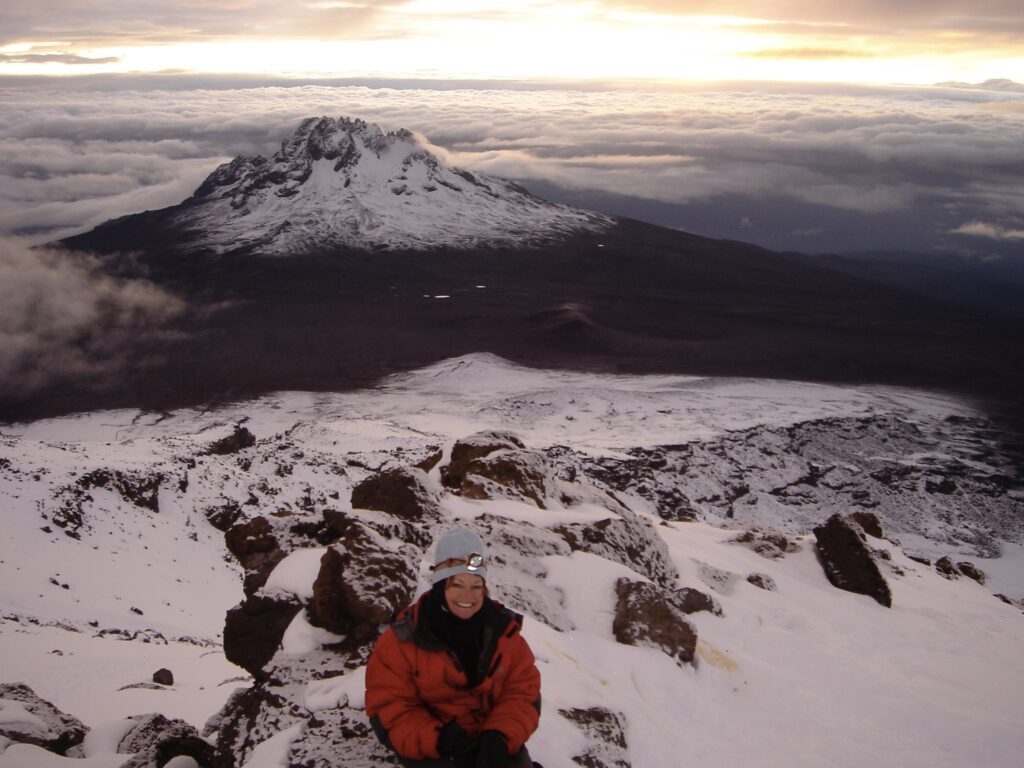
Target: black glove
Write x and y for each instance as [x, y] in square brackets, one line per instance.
[493, 751]
[453, 740]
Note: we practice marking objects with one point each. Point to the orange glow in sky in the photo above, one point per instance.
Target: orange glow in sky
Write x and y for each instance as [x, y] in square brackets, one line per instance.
[627, 39]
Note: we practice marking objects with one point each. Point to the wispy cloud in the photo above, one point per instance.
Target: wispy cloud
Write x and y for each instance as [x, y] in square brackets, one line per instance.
[990, 231]
[61, 318]
[923, 159]
[54, 58]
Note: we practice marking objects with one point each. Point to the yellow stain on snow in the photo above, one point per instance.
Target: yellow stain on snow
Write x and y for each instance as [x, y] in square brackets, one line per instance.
[715, 657]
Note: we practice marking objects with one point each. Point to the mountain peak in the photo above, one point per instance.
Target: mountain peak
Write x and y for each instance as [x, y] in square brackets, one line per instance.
[341, 182]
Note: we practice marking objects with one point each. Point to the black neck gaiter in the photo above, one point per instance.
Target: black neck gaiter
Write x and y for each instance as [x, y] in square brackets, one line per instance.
[463, 636]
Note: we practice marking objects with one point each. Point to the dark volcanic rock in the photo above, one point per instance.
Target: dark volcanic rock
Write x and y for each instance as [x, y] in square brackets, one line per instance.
[848, 562]
[971, 571]
[224, 516]
[476, 446]
[647, 615]
[404, 493]
[944, 567]
[254, 543]
[516, 473]
[768, 544]
[163, 677]
[762, 581]
[155, 740]
[605, 733]
[45, 726]
[240, 439]
[139, 489]
[690, 600]
[361, 585]
[628, 540]
[869, 522]
[253, 630]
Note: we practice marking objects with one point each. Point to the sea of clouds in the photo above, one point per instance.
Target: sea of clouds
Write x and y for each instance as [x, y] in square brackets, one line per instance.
[816, 168]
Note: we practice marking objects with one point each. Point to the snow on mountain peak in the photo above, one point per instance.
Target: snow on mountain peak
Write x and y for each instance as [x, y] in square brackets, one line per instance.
[340, 182]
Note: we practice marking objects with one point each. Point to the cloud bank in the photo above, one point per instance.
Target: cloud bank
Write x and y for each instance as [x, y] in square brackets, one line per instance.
[61, 319]
[818, 168]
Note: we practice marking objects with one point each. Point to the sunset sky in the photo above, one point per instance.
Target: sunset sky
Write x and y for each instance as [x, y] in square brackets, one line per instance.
[866, 41]
[797, 125]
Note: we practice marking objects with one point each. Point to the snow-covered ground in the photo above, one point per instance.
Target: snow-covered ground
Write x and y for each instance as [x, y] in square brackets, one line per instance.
[805, 675]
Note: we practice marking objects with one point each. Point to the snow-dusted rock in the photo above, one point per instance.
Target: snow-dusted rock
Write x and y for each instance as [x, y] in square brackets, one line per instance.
[405, 493]
[475, 446]
[648, 615]
[848, 562]
[27, 719]
[627, 539]
[605, 732]
[362, 583]
[254, 628]
[154, 740]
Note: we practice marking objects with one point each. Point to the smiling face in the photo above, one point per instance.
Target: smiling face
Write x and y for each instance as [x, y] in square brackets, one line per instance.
[464, 594]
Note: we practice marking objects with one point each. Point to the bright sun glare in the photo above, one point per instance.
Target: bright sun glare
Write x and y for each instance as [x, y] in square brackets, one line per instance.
[519, 39]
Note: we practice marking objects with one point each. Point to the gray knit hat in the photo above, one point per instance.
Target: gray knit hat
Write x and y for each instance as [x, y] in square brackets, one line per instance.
[458, 544]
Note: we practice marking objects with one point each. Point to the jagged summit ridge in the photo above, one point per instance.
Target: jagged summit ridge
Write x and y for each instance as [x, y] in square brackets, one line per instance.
[345, 182]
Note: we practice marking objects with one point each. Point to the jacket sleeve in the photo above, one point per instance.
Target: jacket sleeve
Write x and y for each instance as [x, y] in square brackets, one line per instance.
[516, 712]
[397, 714]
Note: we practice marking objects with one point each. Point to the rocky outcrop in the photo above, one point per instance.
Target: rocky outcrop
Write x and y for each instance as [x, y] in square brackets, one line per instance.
[496, 464]
[474, 447]
[139, 489]
[239, 439]
[625, 539]
[25, 718]
[946, 568]
[154, 740]
[769, 544]
[605, 734]
[405, 493]
[650, 616]
[515, 474]
[848, 562]
[255, 545]
[253, 630]
[361, 585]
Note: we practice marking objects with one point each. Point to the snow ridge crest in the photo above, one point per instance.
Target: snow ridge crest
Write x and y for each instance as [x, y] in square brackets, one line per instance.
[343, 182]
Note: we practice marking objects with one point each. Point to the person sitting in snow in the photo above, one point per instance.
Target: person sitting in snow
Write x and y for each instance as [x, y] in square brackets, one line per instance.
[453, 683]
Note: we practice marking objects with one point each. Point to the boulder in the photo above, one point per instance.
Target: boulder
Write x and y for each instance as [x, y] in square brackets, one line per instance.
[971, 571]
[404, 493]
[517, 474]
[27, 719]
[604, 733]
[626, 539]
[945, 568]
[361, 585]
[869, 522]
[769, 544]
[139, 489]
[239, 439]
[154, 741]
[690, 600]
[848, 562]
[256, 547]
[253, 630]
[224, 516]
[647, 615]
[474, 447]
[762, 581]
[163, 677]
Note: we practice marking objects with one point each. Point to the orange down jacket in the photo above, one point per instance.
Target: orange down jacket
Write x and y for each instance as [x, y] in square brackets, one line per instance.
[415, 684]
